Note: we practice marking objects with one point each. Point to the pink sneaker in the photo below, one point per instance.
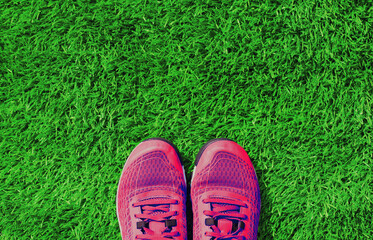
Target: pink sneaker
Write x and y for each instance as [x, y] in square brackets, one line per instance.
[225, 193]
[152, 193]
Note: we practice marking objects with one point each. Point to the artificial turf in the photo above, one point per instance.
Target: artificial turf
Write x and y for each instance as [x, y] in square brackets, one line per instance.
[83, 82]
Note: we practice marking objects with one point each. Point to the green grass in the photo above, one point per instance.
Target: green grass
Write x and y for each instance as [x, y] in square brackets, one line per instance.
[82, 83]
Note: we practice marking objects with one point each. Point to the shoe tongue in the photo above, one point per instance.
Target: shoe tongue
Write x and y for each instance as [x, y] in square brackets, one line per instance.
[156, 227]
[225, 226]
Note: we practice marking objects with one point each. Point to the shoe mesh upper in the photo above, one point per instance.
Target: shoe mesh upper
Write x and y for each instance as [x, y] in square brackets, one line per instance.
[227, 172]
[149, 172]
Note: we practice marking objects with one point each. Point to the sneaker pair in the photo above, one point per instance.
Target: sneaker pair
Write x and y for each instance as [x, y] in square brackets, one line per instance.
[151, 197]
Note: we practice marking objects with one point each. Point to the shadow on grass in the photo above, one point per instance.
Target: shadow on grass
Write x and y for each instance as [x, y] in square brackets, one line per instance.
[264, 231]
[189, 210]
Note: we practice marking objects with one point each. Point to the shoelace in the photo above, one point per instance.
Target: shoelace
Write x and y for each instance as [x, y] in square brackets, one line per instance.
[225, 209]
[161, 207]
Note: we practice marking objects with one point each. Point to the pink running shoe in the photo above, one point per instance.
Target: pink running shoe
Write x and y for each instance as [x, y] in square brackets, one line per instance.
[225, 193]
[151, 197]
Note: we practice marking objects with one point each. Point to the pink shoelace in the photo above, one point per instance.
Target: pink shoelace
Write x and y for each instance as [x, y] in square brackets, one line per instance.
[156, 210]
[225, 209]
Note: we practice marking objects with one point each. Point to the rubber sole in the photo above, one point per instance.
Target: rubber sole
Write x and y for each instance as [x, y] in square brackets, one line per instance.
[165, 140]
[206, 145]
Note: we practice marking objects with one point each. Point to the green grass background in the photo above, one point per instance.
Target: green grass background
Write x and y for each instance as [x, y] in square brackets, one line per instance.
[83, 82]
